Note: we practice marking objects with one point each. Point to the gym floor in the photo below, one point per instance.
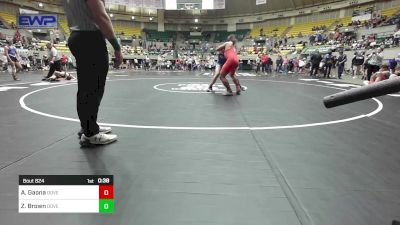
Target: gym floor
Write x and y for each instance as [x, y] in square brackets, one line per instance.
[273, 155]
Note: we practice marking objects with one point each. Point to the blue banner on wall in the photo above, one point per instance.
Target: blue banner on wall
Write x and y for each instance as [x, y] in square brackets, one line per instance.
[38, 21]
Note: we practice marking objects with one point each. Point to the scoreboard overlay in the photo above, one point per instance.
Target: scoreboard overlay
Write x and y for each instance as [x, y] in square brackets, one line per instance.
[66, 194]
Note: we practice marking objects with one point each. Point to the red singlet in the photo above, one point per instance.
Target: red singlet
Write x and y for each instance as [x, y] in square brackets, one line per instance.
[232, 61]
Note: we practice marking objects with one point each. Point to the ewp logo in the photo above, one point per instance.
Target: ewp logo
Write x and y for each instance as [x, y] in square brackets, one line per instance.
[38, 21]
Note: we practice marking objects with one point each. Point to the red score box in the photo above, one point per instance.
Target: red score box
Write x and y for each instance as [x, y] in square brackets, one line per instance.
[106, 192]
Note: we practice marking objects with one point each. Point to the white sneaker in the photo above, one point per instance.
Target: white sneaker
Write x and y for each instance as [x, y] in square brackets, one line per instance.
[104, 130]
[243, 88]
[98, 139]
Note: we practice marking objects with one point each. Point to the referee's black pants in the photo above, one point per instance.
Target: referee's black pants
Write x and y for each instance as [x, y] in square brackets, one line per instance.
[56, 66]
[90, 51]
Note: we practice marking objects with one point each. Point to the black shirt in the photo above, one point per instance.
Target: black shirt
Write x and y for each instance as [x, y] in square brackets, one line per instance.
[358, 60]
[316, 59]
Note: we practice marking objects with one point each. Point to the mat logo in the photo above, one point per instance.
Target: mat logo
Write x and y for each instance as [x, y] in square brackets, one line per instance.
[239, 74]
[38, 21]
[196, 87]
[189, 87]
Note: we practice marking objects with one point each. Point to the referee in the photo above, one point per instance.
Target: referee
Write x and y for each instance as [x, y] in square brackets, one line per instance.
[55, 61]
[90, 26]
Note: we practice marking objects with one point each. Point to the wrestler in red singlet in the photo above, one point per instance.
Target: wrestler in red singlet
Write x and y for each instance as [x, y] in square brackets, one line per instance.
[232, 61]
[231, 65]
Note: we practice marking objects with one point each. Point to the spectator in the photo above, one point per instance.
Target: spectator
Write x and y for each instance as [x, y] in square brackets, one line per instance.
[312, 39]
[296, 63]
[302, 65]
[258, 63]
[392, 64]
[264, 60]
[356, 64]
[315, 60]
[396, 37]
[300, 35]
[269, 65]
[341, 61]
[135, 63]
[279, 62]
[285, 64]
[374, 63]
[147, 63]
[328, 59]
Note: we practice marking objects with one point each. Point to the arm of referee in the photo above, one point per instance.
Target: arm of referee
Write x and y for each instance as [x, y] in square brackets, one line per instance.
[102, 19]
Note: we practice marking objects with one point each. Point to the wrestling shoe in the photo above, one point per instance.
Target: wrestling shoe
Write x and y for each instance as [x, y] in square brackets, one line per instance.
[103, 130]
[15, 77]
[227, 93]
[98, 139]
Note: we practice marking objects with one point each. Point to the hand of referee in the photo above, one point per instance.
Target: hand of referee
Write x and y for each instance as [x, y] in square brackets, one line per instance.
[118, 59]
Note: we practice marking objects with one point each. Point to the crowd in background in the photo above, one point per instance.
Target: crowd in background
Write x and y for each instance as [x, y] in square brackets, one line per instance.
[369, 67]
[275, 54]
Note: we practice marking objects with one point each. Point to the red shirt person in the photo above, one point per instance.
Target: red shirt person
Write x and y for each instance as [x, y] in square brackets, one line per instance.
[264, 61]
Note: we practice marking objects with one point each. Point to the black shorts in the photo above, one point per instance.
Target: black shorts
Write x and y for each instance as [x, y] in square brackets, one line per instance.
[14, 59]
[221, 60]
